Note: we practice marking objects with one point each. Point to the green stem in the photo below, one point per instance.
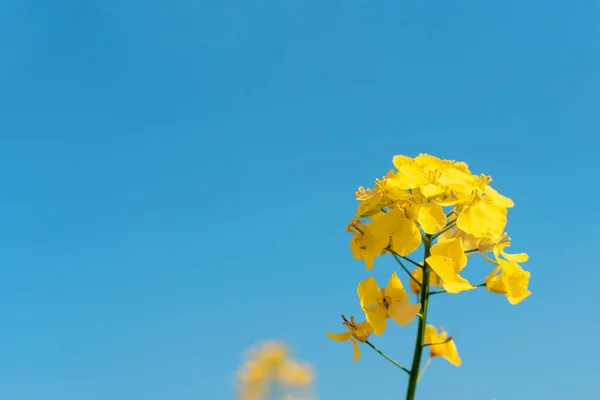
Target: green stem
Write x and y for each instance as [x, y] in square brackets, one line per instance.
[397, 364]
[406, 269]
[390, 359]
[406, 258]
[416, 364]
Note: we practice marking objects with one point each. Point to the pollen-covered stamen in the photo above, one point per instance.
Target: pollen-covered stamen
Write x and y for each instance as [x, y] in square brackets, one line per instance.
[433, 176]
[361, 193]
[384, 300]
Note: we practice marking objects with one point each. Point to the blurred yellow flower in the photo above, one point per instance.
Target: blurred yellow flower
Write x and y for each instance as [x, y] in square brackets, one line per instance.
[270, 364]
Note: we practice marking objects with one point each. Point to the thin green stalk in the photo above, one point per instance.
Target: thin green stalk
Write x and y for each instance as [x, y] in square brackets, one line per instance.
[397, 364]
[416, 364]
[450, 225]
[406, 269]
[390, 359]
[406, 258]
[412, 262]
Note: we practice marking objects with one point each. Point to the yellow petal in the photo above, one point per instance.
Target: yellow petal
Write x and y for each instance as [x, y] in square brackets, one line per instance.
[387, 223]
[493, 282]
[401, 160]
[499, 250]
[450, 353]
[452, 249]
[403, 312]
[431, 190]
[356, 350]
[516, 281]
[395, 289]
[368, 290]
[376, 316]
[409, 177]
[518, 258]
[442, 266]
[431, 335]
[459, 181]
[459, 284]
[339, 337]
[482, 219]
[497, 198]
[445, 268]
[406, 238]
[432, 218]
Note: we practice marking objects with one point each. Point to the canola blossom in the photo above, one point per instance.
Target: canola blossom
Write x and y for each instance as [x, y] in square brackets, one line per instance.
[269, 371]
[441, 208]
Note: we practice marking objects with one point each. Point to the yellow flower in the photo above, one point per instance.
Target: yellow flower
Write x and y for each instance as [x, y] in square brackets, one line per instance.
[485, 214]
[447, 259]
[510, 279]
[389, 302]
[405, 235]
[434, 280]
[445, 181]
[295, 374]
[366, 245]
[385, 193]
[441, 345]
[270, 364]
[422, 174]
[356, 331]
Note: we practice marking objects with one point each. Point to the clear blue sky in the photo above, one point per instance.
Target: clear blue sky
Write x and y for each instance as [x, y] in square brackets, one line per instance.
[176, 178]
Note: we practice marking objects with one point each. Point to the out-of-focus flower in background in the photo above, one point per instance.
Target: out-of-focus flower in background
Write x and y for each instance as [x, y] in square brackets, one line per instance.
[270, 372]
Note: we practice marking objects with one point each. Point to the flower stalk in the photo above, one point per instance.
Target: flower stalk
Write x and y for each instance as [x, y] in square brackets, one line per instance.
[416, 364]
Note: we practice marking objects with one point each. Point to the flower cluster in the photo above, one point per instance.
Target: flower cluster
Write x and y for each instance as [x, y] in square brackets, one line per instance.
[270, 370]
[451, 213]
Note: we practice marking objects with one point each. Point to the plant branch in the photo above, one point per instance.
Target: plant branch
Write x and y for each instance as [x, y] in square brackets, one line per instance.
[396, 363]
[397, 258]
[416, 364]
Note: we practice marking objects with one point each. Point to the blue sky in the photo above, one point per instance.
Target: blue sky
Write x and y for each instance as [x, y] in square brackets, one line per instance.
[176, 178]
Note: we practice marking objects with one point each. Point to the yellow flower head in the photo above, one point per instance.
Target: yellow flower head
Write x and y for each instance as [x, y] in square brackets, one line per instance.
[356, 332]
[295, 374]
[389, 302]
[440, 345]
[271, 364]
